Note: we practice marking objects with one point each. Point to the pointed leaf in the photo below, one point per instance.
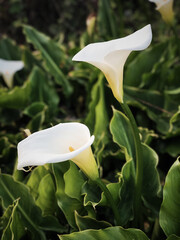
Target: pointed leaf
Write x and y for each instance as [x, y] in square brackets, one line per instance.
[11, 190]
[115, 233]
[170, 208]
[51, 54]
[85, 222]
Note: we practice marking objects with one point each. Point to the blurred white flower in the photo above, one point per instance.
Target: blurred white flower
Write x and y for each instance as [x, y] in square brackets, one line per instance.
[110, 56]
[65, 141]
[8, 69]
[165, 7]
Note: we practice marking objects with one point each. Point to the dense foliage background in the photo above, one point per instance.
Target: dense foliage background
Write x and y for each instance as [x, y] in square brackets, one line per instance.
[51, 89]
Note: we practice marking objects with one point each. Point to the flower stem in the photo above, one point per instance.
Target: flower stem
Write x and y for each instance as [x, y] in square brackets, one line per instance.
[109, 199]
[139, 164]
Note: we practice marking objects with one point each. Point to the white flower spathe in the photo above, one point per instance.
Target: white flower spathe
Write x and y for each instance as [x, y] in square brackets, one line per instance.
[111, 56]
[65, 141]
[8, 68]
[165, 7]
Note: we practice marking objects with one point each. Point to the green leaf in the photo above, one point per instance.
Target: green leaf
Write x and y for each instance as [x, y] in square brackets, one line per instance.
[106, 20]
[14, 228]
[150, 100]
[16, 98]
[11, 190]
[8, 50]
[35, 178]
[92, 194]
[46, 195]
[73, 182]
[122, 135]
[67, 204]
[126, 193]
[143, 63]
[51, 54]
[170, 208]
[85, 222]
[114, 233]
[43, 90]
[151, 189]
[173, 237]
[37, 111]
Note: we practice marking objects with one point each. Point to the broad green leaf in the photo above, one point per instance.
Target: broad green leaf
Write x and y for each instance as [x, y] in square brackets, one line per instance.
[115, 233]
[106, 20]
[36, 88]
[29, 59]
[173, 237]
[73, 182]
[37, 120]
[51, 223]
[151, 189]
[143, 63]
[43, 91]
[17, 226]
[8, 50]
[51, 54]
[150, 100]
[92, 194]
[46, 195]
[11, 190]
[122, 135]
[17, 98]
[34, 109]
[67, 204]
[121, 132]
[126, 194]
[85, 222]
[6, 221]
[170, 208]
[98, 114]
[114, 190]
[35, 178]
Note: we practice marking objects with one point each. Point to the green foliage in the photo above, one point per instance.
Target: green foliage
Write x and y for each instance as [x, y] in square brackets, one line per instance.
[169, 212]
[51, 54]
[112, 232]
[58, 198]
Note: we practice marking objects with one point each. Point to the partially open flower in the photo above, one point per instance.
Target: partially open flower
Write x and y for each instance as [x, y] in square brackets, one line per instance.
[165, 7]
[65, 141]
[8, 69]
[110, 56]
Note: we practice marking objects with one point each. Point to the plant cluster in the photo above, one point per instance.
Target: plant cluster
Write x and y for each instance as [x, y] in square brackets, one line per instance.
[99, 149]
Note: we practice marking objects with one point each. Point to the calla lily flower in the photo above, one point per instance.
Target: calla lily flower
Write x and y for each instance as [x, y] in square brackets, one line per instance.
[8, 69]
[111, 56]
[165, 7]
[65, 141]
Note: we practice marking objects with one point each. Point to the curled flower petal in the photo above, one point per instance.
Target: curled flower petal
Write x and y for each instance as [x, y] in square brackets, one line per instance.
[62, 142]
[110, 56]
[165, 7]
[8, 69]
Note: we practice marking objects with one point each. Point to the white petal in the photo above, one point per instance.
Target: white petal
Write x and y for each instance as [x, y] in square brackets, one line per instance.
[110, 56]
[96, 52]
[52, 145]
[8, 69]
[160, 3]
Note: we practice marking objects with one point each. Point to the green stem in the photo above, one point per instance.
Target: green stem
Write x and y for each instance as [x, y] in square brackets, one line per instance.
[109, 199]
[139, 165]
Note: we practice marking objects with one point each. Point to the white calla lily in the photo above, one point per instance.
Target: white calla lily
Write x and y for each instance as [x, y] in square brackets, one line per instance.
[111, 56]
[165, 7]
[65, 141]
[8, 69]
